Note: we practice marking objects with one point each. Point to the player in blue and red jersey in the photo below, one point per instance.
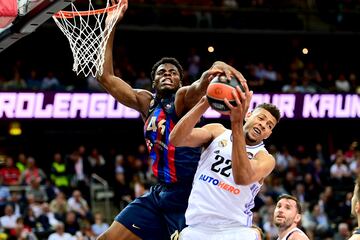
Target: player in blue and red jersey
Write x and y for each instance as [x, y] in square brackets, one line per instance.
[159, 213]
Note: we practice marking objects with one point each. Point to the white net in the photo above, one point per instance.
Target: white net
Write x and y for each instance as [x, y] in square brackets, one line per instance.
[88, 34]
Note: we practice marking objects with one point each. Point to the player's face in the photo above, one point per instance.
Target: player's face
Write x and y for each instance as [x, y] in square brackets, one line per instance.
[167, 79]
[285, 213]
[259, 125]
[354, 201]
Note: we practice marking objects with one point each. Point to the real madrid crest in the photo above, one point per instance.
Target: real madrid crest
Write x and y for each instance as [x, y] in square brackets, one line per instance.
[222, 143]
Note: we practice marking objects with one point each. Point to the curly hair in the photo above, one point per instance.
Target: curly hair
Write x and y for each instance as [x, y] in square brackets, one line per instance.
[170, 60]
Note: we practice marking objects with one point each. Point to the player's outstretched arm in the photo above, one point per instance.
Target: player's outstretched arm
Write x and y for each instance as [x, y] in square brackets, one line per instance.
[117, 87]
[185, 134]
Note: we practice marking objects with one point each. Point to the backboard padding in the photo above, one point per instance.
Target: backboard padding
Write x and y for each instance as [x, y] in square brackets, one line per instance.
[24, 25]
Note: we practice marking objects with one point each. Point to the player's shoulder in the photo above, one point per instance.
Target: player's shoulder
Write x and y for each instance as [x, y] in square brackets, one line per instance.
[355, 237]
[182, 90]
[215, 127]
[297, 235]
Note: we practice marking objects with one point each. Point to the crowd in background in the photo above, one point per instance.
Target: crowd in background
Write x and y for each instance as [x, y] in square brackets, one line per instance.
[299, 76]
[56, 200]
[49, 198]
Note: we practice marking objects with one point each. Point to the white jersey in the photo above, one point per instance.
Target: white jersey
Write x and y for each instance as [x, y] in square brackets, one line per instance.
[215, 198]
[295, 229]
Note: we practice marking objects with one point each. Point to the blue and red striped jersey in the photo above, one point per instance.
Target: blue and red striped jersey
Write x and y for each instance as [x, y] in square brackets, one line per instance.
[169, 164]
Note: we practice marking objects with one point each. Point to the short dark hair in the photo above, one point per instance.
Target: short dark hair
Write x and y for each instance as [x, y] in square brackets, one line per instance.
[170, 60]
[271, 108]
[287, 196]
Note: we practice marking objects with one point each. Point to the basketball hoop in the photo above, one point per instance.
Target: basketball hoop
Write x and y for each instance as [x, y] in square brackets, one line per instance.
[87, 35]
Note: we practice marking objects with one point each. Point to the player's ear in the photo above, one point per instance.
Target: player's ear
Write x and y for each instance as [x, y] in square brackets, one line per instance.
[357, 207]
[297, 218]
[248, 114]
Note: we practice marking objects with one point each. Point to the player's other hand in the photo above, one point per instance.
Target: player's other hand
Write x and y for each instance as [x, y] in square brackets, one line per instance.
[114, 14]
[229, 71]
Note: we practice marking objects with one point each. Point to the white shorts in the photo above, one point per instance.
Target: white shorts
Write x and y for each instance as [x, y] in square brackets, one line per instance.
[218, 233]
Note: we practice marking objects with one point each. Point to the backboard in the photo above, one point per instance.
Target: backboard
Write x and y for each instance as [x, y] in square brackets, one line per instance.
[31, 14]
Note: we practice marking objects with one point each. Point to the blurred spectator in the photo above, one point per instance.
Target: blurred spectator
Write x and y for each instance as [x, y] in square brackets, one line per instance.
[282, 159]
[85, 231]
[306, 86]
[99, 225]
[47, 218]
[354, 84]
[16, 203]
[291, 87]
[21, 163]
[351, 151]
[50, 82]
[33, 81]
[71, 223]
[312, 73]
[193, 61]
[4, 195]
[78, 204]
[23, 232]
[80, 170]
[343, 232]
[37, 191]
[59, 206]
[142, 81]
[319, 154]
[59, 233]
[342, 84]
[10, 173]
[35, 206]
[16, 83]
[8, 221]
[93, 85]
[58, 173]
[270, 229]
[355, 165]
[30, 220]
[31, 172]
[322, 225]
[97, 162]
[339, 169]
[123, 192]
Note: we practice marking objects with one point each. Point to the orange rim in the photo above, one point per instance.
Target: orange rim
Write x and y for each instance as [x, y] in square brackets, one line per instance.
[71, 14]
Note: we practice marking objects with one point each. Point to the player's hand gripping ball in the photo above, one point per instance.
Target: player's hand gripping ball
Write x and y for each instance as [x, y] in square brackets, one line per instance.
[219, 88]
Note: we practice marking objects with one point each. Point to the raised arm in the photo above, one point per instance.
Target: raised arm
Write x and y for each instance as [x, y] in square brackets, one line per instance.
[188, 96]
[117, 87]
[244, 170]
[185, 133]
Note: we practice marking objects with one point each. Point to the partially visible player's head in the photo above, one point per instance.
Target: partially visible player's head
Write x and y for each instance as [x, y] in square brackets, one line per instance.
[287, 212]
[260, 122]
[355, 201]
[167, 75]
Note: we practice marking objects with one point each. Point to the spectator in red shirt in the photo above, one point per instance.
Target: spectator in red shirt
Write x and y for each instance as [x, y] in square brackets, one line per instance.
[10, 173]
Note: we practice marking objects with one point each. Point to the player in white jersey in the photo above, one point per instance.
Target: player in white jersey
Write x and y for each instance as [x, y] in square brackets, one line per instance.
[355, 209]
[231, 168]
[287, 216]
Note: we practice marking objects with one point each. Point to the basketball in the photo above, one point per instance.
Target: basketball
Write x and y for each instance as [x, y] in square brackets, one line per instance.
[219, 88]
